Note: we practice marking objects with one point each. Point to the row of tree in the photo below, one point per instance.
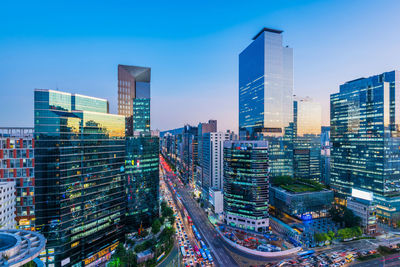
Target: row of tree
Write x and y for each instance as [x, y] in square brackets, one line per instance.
[322, 237]
[344, 233]
[350, 232]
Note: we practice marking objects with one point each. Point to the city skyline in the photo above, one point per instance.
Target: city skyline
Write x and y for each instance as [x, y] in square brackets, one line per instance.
[82, 57]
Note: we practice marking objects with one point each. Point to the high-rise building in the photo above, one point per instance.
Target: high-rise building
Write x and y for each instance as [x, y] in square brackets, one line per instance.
[17, 162]
[212, 161]
[7, 207]
[79, 186]
[326, 154]
[265, 97]
[142, 148]
[365, 155]
[306, 139]
[203, 128]
[142, 180]
[265, 85]
[134, 97]
[246, 184]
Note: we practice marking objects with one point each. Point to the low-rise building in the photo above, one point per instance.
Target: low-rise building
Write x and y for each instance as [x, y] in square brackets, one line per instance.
[303, 201]
[366, 210]
[19, 247]
[216, 200]
[17, 163]
[7, 207]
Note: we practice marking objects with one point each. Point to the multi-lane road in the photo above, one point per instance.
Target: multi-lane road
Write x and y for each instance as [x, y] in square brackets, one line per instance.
[223, 254]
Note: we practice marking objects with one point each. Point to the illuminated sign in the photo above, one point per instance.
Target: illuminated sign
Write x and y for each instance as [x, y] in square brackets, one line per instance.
[65, 261]
[306, 217]
[24, 222]
[362, 194]
[100, 254]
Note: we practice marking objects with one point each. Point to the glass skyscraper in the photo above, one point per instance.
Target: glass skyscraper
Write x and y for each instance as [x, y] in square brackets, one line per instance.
[134, 97]
[142, 180]
[265, 97]
[142, 148]
[265, 85]
[365, 154]
[246, 184]
[306, 139]
[79, 187]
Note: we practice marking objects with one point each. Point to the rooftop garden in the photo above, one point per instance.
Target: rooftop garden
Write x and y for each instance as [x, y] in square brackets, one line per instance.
[296, 185]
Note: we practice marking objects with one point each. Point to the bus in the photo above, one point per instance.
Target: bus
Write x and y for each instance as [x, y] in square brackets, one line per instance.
[306, 253]
[203, 254]
[210, 259]
[196, 233]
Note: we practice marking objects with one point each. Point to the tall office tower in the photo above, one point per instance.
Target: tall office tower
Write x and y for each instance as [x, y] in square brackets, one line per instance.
[326, 154]
[79, 187]
[206, 127]
[265, 85]
[17, 162]
[212, 161]
[141, 159]
[7, 207]
[246, 184]
[265, 97]
[365, 155]
[142, 180]
[134, 97]
[189, 136]
[306, 139]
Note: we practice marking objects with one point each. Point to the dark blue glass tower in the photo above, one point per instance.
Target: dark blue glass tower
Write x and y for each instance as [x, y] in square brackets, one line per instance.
[365, 154]
[79, 187]
[265, 97]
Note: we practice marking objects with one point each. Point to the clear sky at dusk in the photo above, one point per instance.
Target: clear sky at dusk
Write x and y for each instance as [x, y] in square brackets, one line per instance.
[192, 48]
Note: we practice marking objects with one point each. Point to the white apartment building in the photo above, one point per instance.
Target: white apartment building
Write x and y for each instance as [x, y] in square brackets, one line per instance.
[7, 205]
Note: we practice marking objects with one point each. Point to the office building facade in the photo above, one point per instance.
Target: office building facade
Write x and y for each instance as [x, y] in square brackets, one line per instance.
[134, 97]
[7, 207]
[266, 97]
[366, 210]
[79, 186]
[246, 184]
[306, 139]
[212, 161]
[265, 86]
[142, 180]
[326, 155]
[365, 155]
[17, 162]
[303, 205]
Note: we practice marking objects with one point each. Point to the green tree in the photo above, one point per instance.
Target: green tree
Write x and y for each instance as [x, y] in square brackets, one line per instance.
[331, 234]
[167, 212]
[155, 227]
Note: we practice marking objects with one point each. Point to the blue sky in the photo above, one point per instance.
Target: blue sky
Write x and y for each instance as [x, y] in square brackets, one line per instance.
[192, 48]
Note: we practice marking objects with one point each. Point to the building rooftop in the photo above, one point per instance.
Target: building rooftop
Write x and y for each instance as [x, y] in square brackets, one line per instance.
[141, 74]
[267, 30]
[18, 247]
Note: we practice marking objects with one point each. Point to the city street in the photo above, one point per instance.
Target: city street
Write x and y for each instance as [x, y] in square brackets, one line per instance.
[223, 254]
